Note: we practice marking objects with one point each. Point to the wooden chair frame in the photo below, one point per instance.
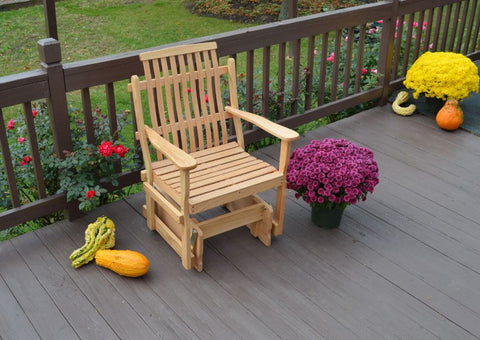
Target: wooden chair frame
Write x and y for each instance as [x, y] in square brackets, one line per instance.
[197, 168]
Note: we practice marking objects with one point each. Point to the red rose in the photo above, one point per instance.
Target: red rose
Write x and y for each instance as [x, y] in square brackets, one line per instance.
[25, 160]
[120, 150]
[11, 125]
[91, 194]
[206, 98]
[189, 90]
[105, 149]
[21, 140]
[34, 113]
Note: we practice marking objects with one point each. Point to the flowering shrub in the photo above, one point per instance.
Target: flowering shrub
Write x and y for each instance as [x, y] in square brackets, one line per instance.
[443, 75]
[332, 173]
[81, 173]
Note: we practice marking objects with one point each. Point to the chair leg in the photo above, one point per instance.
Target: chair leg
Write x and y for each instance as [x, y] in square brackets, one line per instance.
[198, 251]
[150, 212]
[277, 228]
[265, 226]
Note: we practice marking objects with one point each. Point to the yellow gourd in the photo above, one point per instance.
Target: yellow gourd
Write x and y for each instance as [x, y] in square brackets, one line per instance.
[450, 116]
[401, 98]
[123, 262]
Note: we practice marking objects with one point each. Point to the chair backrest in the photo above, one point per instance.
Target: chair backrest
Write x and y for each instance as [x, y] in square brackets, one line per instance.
[184, 87]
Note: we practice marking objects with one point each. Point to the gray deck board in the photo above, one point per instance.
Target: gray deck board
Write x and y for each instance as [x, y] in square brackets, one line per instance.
[405, 264]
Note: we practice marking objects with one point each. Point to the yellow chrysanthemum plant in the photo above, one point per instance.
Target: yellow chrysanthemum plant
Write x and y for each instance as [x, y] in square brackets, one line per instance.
[443, 75]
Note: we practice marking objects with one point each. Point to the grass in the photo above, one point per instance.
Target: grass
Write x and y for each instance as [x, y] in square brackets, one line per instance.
[89, 29]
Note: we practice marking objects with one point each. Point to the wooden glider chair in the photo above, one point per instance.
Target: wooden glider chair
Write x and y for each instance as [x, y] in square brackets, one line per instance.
[197, 168]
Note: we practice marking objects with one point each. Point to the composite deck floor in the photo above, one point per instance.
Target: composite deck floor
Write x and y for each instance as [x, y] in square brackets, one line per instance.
[405, 264]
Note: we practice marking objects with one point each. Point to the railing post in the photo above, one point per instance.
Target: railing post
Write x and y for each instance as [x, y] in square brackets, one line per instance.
[50, 57]
[385, 58]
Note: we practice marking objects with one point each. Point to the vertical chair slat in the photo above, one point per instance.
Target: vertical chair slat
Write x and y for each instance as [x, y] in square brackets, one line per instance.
[361, 47]
[177, 103]
[348, 62]
[7, 163]
[201, 99]
[186, 104]
[87, 114]
[265, 81]
[309, 73]
[195, 104]
[32, 137]
[323, 70]
[211, 103]
[172, 120]
[282, 48]
[296, 48]
[220, 114]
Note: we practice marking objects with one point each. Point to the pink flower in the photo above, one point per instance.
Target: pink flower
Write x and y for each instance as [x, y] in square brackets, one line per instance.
[189, 90]
[25, 160]
[315, 52]
[380, 21]
[21, 140]
[120, 150]
[364, 71]
[415, 24]
[90, 194]
[374, 70]
[105, 149]
[332, 57]
[371, 30]
[206, 98]
[11, 124]
[34, 113]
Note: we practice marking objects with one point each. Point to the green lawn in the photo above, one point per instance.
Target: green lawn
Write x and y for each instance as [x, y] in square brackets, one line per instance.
[94, 28]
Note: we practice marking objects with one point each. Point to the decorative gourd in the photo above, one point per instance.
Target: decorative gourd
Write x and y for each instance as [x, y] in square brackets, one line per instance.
[123, 262]
[98, 235]
[401, 98]
[450, 116]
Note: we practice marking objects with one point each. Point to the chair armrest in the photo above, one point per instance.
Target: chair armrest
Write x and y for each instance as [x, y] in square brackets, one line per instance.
[273, 128]
[179, 157]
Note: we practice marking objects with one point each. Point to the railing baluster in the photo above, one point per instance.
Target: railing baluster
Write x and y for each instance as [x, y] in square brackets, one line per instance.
[32, 137]
[468, 35]
[453, 34]
[249, 84]
[438, 26]
[111, 109]
[419, 34]
[87, 112]
[323, 70]
[348, 62]
[309, 72]
[428, 32]
[282, 48]
[7, 163]
[361, 48]
[461, 31]
[408, 44]
[476, 35]
[398, 45]
[338, 37]
[446, 27]
[266, 82]
[295, 76]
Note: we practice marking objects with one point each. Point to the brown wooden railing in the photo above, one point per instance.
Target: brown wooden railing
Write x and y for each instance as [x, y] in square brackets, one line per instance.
[287, 68]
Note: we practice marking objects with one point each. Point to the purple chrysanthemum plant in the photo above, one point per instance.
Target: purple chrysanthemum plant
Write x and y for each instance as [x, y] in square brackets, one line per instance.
[332, 173]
